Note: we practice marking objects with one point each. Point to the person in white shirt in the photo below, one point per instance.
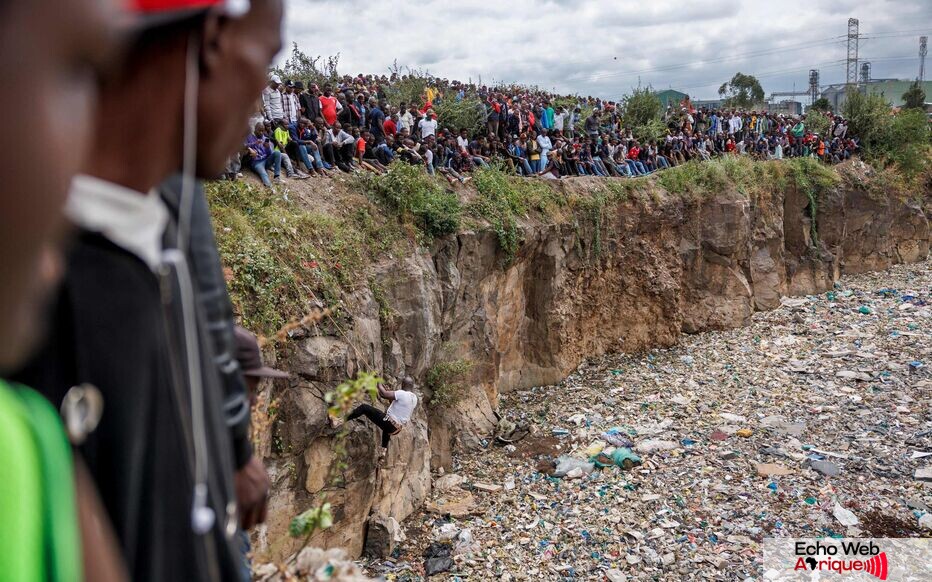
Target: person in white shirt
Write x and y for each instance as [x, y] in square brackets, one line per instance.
[398, 415]
[406, 120]
[428, 125]
[273, 104]
[545, 146]
[558, 120]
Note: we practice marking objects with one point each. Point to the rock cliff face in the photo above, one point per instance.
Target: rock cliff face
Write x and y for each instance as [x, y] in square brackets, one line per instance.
[644, 272]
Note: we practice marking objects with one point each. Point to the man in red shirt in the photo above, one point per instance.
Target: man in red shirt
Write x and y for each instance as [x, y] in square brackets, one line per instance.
[389, 127]
[329, 106]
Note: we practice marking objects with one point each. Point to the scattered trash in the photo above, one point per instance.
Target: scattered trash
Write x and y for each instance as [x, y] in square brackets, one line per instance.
[437, 558]
[840, 445]
[655, 446]
[448, 482]
[566, 464]
[845, 517]
[772, 469]
[826, 468]
[616, 437]
[745, 432]
[622, 458]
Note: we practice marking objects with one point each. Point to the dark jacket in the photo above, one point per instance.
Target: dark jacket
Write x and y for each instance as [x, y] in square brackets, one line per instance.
[117, 325]
[311, 105]
[215, 303]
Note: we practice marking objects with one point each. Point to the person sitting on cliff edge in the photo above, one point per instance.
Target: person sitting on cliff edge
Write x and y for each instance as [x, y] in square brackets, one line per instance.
[398, 415]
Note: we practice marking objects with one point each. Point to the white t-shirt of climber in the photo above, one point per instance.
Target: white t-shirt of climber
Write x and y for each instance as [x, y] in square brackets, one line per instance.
[400, 410]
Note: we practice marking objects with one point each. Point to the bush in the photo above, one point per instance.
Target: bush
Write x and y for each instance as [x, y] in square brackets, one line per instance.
[447, 382]
[468, 113]
[909, 142]
[284, 258]
[653, 130]
[310, 70]
[504, 198]
[641, 108]
[868, 118]
[414, 196]
[409, 88]
[819, 124]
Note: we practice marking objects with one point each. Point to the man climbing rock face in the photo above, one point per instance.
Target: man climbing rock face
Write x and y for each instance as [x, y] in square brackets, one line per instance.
[398, 415]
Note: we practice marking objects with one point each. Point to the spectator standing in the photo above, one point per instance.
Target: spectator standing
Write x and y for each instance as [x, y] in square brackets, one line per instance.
[273, 104]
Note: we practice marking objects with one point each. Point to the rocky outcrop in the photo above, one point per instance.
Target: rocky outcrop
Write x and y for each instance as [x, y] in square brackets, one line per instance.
[645, 271]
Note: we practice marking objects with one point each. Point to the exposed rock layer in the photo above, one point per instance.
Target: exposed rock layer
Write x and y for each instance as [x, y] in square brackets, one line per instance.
[634, 279]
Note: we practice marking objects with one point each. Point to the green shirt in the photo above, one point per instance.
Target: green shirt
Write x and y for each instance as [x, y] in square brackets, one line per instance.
[282, 136]
[39, 537]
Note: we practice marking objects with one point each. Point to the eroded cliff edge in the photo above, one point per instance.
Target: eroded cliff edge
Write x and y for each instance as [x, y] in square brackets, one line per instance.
[632, 273]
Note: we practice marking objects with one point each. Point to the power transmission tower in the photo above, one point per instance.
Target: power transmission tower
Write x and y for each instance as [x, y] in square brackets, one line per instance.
[865, 73]
[852, 78]
[923, 51]
[813, 85]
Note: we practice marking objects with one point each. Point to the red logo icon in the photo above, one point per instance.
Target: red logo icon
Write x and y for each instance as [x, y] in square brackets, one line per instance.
[877, 566]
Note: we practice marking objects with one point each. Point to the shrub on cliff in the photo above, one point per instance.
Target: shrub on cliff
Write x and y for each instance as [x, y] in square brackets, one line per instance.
[415, 197]
[284, 260]
[504, 198]
[447, 382]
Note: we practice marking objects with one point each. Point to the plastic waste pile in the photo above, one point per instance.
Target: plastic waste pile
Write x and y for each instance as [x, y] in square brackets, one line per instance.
[814, 421]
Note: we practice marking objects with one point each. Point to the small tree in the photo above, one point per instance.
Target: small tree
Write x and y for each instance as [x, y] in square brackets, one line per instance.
[868, 117]
[743, 91]
[310, 70]
[914, 97]
[821, 104]
[640, 107]
[640, 111]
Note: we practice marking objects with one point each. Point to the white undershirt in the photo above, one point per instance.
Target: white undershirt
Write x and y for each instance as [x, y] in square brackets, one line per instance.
[131, 220]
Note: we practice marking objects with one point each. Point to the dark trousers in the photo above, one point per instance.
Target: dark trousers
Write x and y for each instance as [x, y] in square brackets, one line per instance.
[378, 418]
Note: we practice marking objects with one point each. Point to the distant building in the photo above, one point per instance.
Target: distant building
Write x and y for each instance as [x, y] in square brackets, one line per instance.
[890, 89]
[671, 97]
[708, 103]
[785, 107]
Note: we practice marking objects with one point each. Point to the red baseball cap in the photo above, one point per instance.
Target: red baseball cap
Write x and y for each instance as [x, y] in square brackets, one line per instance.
[149, 13]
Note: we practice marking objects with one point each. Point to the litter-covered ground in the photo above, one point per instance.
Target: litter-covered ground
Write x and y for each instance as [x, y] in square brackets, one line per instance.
[813, 421]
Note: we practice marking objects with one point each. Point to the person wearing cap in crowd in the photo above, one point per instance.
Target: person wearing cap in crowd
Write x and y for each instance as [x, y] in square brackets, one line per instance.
[398, 415]
[290, 103]
[273, 102]
[134, 318]
[52, 525]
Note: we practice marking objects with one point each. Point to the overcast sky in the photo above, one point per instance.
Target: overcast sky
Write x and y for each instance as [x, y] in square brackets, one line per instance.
[601, 48]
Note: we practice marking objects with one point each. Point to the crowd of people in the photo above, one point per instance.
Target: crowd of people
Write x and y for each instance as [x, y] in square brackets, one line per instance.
[352, 125]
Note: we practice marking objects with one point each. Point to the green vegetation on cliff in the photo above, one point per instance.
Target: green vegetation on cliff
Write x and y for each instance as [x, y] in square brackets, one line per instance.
[286, 257]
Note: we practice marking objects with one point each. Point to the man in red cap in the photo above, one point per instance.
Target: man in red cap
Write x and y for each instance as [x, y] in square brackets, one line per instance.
[133, 321]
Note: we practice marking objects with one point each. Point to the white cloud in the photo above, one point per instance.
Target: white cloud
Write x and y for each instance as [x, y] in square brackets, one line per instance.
[604, 48]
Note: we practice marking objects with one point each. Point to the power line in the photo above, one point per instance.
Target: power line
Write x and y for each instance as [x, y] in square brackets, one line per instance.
[739, 56]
